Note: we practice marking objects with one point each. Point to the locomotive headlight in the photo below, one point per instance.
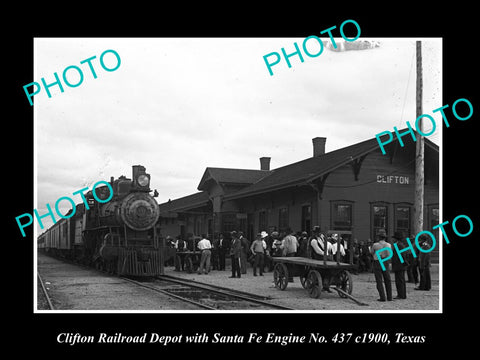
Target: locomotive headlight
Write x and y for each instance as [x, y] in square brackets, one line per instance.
[142, 180]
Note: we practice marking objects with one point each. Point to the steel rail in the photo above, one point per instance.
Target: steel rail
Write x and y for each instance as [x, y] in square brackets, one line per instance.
[215, 287]
[50, 305]
[168, 293]
[222, 291]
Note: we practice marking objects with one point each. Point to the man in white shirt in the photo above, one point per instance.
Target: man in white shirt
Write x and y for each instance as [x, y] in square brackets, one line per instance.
[205, 247]
[289, 244]
[258, 248]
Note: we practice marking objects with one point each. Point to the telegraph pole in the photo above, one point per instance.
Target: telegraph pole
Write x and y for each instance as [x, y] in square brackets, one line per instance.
[419, 151]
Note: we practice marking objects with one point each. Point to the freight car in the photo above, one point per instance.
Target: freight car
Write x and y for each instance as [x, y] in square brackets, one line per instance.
[118, 236]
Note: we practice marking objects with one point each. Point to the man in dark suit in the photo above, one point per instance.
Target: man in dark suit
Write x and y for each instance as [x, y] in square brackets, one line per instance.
[424, 263]
[398, 267]
[222, 251]
[244, 253]
[382, 276]
[235, 251]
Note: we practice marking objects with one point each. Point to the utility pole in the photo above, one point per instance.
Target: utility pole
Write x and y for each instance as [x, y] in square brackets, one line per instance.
[419, 151]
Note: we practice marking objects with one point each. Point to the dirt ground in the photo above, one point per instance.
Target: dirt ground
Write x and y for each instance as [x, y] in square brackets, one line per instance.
[72, 287]
[76, 288]
[295, 296]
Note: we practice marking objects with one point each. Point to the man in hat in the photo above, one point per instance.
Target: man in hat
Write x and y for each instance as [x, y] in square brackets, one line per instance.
[319, 244]
[336, 246]
[276, 244]
[398, 267]
[380, 275]
[302, 244]
[244, 253]
[424, 263]
[258, 248]
[222, 250]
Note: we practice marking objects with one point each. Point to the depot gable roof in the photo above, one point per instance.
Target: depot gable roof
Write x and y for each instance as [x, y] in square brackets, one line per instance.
[230, 176]
[184, 203]
[308, 170]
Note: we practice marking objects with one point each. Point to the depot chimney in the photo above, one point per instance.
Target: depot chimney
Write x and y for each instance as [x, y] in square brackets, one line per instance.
[319, 146]
[264, 163]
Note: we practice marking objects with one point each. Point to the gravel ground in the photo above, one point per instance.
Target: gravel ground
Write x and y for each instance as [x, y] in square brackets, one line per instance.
[76, 288]
[73, 287]
[295, 296]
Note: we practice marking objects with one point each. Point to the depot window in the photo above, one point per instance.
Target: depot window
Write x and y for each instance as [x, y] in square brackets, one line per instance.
[379, 219]
[306, 218]
[262, 221]
[342, 215]
[283, 218]
[403, 219]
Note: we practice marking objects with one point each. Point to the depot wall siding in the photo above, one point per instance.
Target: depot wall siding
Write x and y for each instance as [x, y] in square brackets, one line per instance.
[371, 188]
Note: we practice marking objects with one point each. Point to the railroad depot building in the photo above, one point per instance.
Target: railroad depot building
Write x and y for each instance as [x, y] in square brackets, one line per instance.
[355, 188]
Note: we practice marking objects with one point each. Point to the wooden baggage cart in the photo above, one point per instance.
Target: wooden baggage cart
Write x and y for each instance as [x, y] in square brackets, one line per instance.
[316, 275]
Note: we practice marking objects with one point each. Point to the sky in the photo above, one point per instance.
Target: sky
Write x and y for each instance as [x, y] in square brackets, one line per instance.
[179, 105]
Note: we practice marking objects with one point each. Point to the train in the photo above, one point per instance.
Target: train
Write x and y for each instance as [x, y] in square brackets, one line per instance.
[119, 236]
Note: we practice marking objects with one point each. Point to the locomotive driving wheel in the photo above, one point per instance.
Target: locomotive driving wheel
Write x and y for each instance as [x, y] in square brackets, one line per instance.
[280, 276]
[344, 282]
[313, 284]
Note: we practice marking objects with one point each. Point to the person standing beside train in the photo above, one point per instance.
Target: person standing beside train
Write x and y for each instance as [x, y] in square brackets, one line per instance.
[303, 244]
[289, 247]
[337, 246]
[318, 243]
[289, 244]
[276, 244]
[214, 261]
[244, 253]
[258, 248]
[180, 245]
[222, 250]
[205, 247]
[398, 267]
[424, 263]
[380, 275]
[235, 250]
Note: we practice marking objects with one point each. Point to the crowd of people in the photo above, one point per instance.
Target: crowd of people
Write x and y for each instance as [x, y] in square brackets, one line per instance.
[265, 246]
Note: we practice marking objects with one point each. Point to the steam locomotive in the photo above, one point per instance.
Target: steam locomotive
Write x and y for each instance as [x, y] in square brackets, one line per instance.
[118, 236]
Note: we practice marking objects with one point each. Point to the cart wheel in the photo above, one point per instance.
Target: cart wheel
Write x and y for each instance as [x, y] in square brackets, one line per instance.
[280, 276]
[303, 279]
[345, 282]
[188, 265]
[313, 284]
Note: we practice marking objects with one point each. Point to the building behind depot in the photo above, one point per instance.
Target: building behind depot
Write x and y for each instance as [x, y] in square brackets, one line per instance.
[355, 188]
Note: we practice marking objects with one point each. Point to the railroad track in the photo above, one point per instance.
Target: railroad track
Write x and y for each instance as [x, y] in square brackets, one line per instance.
[44, 291]
[207, 296]
[204, 296]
